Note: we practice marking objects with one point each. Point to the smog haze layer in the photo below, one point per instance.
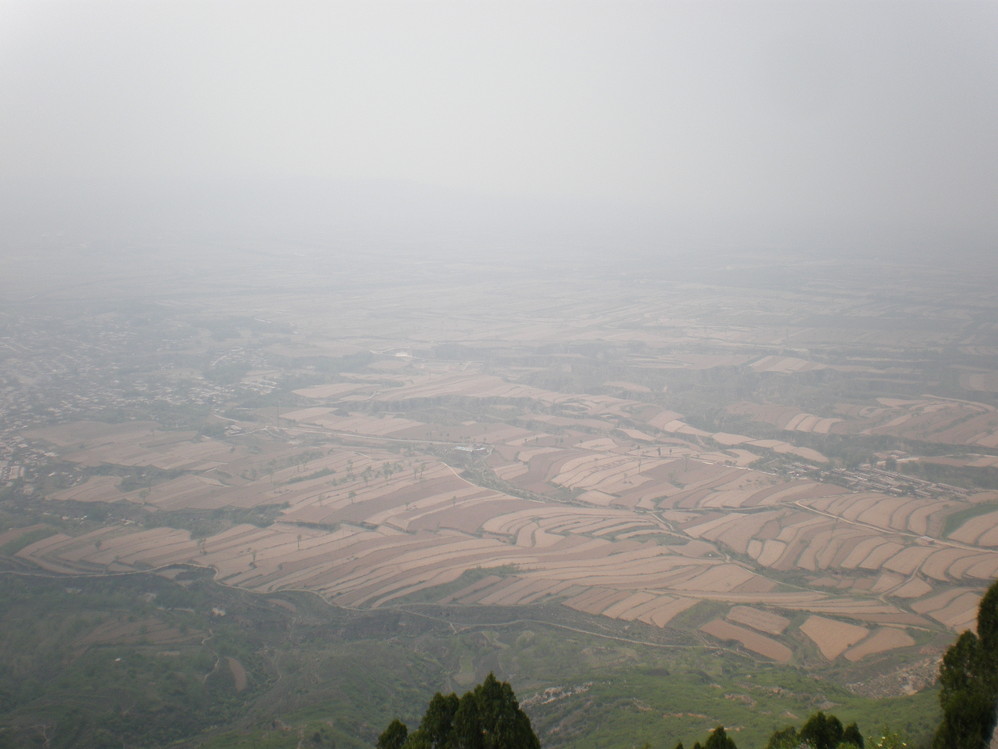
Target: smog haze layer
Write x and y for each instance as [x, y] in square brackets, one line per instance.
[635, 127]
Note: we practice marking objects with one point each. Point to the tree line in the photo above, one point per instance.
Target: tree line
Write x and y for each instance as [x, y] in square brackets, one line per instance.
[487, 717]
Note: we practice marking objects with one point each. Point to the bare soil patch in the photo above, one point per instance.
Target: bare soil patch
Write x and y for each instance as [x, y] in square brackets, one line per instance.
[831, 636]
[748, 638]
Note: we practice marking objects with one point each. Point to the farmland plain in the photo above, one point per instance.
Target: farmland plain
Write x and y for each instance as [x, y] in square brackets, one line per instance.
[789, 462]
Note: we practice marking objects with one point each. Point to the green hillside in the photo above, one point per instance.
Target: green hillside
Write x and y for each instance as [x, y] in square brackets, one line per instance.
[142, 660]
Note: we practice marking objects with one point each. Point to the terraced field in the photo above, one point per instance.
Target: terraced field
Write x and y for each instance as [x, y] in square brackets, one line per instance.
[625, 526]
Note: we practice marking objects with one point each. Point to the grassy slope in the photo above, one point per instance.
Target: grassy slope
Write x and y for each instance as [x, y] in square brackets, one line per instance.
[327, 677]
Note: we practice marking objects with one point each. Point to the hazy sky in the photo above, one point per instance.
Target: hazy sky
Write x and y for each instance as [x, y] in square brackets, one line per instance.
[879, 116]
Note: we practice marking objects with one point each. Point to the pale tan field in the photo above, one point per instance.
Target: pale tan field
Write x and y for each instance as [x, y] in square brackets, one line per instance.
[764, 621]
[955, 608]
[786, 417]
[238, 671]
[96, 489]
[81, 434]
[831, 636]
[882, 640]
[12, 535]
[757, 643]
[986, 381]
[930, 419]
[981, 530]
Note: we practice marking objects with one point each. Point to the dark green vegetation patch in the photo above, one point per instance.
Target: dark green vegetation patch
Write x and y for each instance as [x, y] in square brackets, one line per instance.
[142, 660]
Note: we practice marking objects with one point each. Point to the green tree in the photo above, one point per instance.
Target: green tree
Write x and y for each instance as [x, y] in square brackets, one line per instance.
[960, 669]
[987, 621]
[818, 732]
[785, 738]
[437, 725]
[394, 737]
[490, 717]
[822, 731]
[467, 732]
[718, 739]
[851, 735]
[968, 721]
[487, 717]
[969, 683]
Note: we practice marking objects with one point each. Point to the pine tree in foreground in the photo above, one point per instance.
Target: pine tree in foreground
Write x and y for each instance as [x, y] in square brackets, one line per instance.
[487, 717]
[968, 678]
